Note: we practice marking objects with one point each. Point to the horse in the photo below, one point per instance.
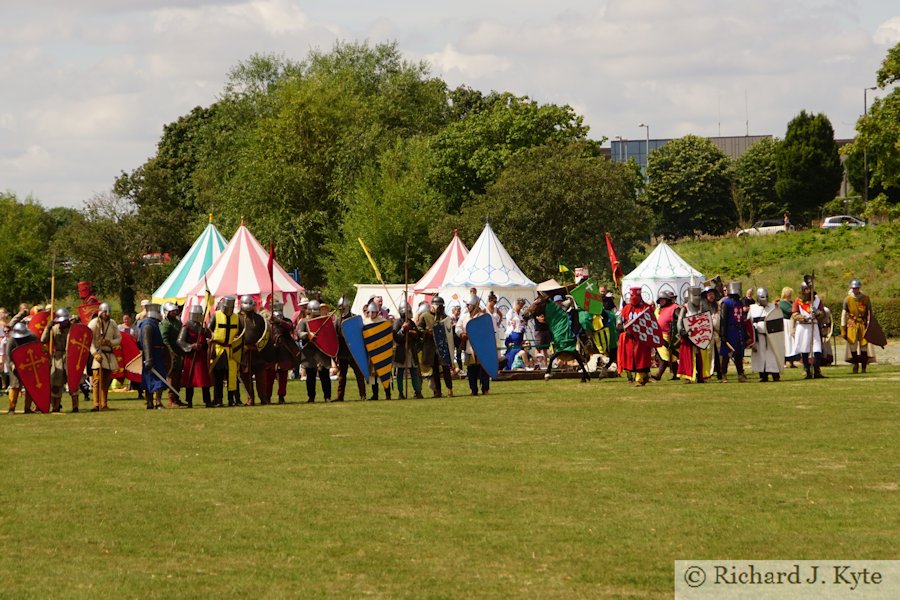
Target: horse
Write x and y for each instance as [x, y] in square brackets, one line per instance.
[565, 342]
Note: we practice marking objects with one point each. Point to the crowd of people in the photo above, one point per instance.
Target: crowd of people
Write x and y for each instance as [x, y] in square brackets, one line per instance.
[221, 353]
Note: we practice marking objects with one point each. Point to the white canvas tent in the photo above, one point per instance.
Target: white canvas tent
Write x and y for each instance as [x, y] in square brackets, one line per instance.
[662, 270]
[489, 268]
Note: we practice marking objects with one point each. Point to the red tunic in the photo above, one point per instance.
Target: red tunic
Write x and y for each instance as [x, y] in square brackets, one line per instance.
[633, 355]
[196, 375]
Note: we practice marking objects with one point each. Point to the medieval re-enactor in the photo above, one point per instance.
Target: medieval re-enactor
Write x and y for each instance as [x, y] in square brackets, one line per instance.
[666, 317]
[155, 356]
[474, 370]
[169, 329]
[763, 359]
[226, 350]
[193, 339]
[634, 355]
[315, 362]
[106, 337]
[854, 322]
[406, 352]
[257, 352]
[19, 336]
[57, 340]
[345, 360]
[733, 331]
[695, 363]
[807, 318]
[437, 345]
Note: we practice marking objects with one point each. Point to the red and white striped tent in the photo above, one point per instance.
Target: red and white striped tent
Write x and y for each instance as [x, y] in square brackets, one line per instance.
[444, 268]
[242, 269]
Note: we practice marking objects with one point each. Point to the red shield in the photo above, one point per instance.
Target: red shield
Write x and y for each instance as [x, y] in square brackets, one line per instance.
[33, 370]
[87, 311]
[647, 330]
[126, 353]
[699, 329]
[38, 322]
[326, 338]
[78, 352]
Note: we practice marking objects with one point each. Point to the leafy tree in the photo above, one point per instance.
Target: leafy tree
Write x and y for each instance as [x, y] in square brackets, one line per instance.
[471, 152]
[878, 137]
[809, 168]
[25, 262]
[753, 177]
[291, 158]
[553, 203]
[105, 243]
[390, 209]
[689, 190]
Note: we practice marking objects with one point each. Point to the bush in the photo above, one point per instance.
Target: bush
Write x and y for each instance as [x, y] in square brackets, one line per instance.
[888, 313]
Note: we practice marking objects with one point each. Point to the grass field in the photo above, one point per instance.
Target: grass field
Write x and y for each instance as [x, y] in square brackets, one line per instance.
[541, 489]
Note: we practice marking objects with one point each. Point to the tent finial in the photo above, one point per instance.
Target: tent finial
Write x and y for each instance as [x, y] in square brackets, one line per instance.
[210, 217]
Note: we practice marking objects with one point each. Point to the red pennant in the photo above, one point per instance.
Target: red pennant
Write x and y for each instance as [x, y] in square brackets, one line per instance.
[617, 274]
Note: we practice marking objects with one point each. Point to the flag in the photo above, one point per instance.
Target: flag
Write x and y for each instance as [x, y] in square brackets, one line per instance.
[587, 297]
[371, 260]
[614, 263]
[563, 268]
[271, 264]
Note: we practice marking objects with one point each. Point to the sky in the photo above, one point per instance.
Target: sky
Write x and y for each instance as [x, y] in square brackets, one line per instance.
[86, 86]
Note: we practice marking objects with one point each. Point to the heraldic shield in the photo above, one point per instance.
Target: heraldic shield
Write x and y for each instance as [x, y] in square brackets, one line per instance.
[326, 338]
[78, 352]
[39, 322]
[33, 370]
[647, 330]
[699, 329]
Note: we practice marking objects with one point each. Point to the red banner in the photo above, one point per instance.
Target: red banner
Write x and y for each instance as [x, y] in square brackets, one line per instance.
[326, 338]
[616, 268]
[33, 370]
[78, 353]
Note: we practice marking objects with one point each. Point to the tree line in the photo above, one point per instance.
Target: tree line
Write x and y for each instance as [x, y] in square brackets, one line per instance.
[358, 142]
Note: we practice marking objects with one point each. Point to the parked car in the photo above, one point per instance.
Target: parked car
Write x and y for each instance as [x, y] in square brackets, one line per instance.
[841, 220]
[766, 227]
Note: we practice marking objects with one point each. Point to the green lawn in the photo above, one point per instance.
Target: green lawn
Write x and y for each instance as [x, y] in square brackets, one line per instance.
[541, 489]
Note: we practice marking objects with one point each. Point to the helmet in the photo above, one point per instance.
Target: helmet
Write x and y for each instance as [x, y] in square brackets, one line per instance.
[762, 296]
[372, 308]
[20, 331]
[153, 311]
[62, 315]
[666, 295]
[104, 308]
[314, 308]
[342, 302]
[248, 304]
[734, 288]
[277, 306]
[473, 301]
[694, 293]
[169, 307]
[423, 308]
[403, 309]
[196, 314]
[228, 305]
[856, 283]
[558, 298]
[708, 288]
[635, 297]
[437, 301]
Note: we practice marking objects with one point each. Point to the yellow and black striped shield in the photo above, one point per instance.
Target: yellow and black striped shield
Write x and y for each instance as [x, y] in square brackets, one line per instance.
[380, 348]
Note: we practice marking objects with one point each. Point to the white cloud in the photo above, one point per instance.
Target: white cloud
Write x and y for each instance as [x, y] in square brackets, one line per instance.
[888, 33]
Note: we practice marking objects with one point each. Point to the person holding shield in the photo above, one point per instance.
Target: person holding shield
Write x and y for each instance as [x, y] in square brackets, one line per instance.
[106, 337]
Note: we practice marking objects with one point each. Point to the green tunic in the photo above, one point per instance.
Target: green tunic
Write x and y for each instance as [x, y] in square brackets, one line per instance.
[560, 328]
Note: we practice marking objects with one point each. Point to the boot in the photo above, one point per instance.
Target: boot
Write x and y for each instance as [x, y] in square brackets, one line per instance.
[659, 372]
[13, 399]
[864, 360]
[742, 378]
[818, 374]
[374, 395]
[280, 399]
[855, 367]
[74, 403]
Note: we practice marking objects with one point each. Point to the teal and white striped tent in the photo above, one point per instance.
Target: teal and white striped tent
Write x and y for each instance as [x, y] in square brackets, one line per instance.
[203, 253]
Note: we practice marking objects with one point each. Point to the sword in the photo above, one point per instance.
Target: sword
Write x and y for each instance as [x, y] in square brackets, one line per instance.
[168, 385]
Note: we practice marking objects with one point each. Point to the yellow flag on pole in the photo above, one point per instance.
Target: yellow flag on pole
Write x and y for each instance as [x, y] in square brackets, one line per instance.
[371, 260]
